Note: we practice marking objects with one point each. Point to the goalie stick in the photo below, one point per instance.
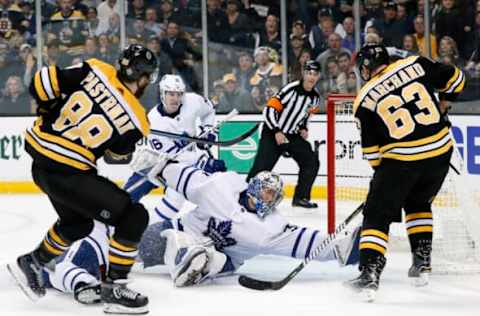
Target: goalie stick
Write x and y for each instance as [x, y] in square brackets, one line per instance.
[255, 284]
[224, 143]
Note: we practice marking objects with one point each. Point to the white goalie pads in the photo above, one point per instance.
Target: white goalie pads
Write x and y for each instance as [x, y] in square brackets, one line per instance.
[190, 262]
[149, 163]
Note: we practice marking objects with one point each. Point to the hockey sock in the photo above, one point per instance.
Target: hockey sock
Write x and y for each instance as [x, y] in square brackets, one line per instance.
[373, 243]
[419, 228]
[121, 257]
[53, 245]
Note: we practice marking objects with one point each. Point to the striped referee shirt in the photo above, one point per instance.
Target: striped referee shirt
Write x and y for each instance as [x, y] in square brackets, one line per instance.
[290, 108]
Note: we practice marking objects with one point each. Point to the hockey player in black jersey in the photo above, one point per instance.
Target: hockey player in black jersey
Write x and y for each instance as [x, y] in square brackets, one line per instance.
[87, 111]
[405, 137]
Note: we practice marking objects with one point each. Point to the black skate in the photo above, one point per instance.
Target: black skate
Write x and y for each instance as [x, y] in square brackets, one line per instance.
[119, 299]
[88, 293]
[28, 274]
[368, 281]
[421, 264]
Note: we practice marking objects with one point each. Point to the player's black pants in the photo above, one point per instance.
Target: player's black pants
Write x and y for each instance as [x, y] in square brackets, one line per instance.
[396, 185]
[78, 198]
[301, 151]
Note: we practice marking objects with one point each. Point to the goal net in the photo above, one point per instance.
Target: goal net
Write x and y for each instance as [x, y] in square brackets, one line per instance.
[456, 243]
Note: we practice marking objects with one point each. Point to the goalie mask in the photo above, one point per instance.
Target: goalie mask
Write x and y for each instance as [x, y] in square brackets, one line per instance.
[266, 192]
[369, 58]
[171, 83]
[137, 61]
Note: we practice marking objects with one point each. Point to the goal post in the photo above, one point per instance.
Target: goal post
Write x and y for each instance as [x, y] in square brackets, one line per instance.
[456, 209]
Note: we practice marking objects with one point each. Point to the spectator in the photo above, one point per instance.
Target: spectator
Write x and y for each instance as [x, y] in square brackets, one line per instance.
[448, 48]
[245, 71]
[270, 35]
[14, 16]
[136, 10]
[151, 22]
[410, 44]
[334, 49]
[419, 27]
[267, 79]
[138, 31]
[449, 22]
[68, 25]
[113, 30]
[217, 23]
[91, 48]
[297, 44]
[348, 41]
[296, 68]
[14, 99]
[54, 56]
[164, 62]
[28, 63]
[182, 52]
[319, 33]
[106, 49]
[240, 26]
[93, 23]
[344, 62]
[298, 30]
[7, 68]
[167, 13]
[105, 10]
[391, 29]
[334, 80]
[351, 82]
[28, 20]
[234, 97]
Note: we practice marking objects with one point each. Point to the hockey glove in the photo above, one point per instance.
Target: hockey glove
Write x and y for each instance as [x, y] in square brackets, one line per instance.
[214, 165]
[208, 133]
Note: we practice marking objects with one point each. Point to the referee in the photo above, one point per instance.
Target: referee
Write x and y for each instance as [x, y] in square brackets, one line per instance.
[285, 130]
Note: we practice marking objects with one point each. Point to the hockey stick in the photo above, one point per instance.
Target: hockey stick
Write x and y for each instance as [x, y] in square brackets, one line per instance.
[255, 284]
[204, 141]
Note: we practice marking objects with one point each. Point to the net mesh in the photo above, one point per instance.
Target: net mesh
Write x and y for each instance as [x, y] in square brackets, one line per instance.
[456, 243]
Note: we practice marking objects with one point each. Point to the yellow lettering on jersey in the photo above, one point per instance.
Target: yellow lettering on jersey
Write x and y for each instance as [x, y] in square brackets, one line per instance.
[105, 94]
[115, 112]
[396, 81]
[99, 88]
[123, 124]
[369, 103]
[411, 72]
[374, 95]
[381, 89]
[388, 85]
[419, 69]
[90, 85]
[108, 104]
[404, 77]
[90, 76]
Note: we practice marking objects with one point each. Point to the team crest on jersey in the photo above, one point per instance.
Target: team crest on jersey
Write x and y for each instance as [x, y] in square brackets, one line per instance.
[219, 233]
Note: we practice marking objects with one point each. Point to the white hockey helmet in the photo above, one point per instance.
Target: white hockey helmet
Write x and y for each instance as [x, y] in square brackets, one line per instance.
[265, 183]
[172, 83]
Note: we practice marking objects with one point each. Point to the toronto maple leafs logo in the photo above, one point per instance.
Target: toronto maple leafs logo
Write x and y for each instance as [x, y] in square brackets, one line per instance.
[219, 233]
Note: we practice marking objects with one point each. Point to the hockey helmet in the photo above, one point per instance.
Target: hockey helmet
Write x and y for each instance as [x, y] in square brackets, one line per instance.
[171, 83]
[137, 61]
[312, 65]
[370, 57]
[265, 184]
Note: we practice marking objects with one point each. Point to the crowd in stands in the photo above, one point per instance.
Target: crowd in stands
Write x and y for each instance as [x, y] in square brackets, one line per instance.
[244, 50]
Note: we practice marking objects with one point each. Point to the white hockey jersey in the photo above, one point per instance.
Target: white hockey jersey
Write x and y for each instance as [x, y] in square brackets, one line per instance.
[238, 233]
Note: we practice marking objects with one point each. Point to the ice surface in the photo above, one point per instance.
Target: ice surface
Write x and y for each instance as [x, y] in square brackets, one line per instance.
[318, 290]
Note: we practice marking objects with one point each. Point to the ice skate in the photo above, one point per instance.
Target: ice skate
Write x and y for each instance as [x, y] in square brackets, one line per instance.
[119, 299]
[27, 272]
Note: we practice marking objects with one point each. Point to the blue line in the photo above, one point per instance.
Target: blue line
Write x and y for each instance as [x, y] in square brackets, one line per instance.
[75, 277]
[310, 244]
[161, 215]
[180, 177]
[173, 208]
[186, 182]
[295, 246]
[65, 276]
[99, 248]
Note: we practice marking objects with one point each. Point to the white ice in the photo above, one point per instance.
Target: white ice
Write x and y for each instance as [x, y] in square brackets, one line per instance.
[318, 290]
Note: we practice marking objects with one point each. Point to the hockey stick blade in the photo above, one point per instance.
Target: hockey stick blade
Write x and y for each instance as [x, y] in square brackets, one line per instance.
[261, 285]
[225, 143]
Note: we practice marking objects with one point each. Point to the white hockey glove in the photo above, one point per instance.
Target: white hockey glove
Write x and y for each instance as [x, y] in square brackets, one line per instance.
[150, 163]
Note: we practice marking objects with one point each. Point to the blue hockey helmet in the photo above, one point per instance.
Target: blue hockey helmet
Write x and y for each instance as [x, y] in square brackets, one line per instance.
[266, 191]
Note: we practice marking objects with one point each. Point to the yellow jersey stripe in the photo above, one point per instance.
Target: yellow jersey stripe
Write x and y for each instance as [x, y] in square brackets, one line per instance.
[52, 72]
[55, 156]
[413, 216]
[375, 162]
[370, 245]
[413, 157]
[374, 232]
[57, 238]
[370, 150]
[452, 80]
[51, 249]
[39, 87]
[418, 142]
[420, 229]
[460, 86]
[64, 142]
[121, 261]
[121, 247]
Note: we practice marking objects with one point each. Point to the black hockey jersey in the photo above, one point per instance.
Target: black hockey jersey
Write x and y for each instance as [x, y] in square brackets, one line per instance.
[398, 110]
[89, 112]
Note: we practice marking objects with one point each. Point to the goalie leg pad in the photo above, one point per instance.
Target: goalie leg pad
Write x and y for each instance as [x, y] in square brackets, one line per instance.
[347, 249]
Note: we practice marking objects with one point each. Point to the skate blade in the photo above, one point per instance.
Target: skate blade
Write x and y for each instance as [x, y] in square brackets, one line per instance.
[421, 280]
[124, 310]
[21, 281]
[196, 266]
